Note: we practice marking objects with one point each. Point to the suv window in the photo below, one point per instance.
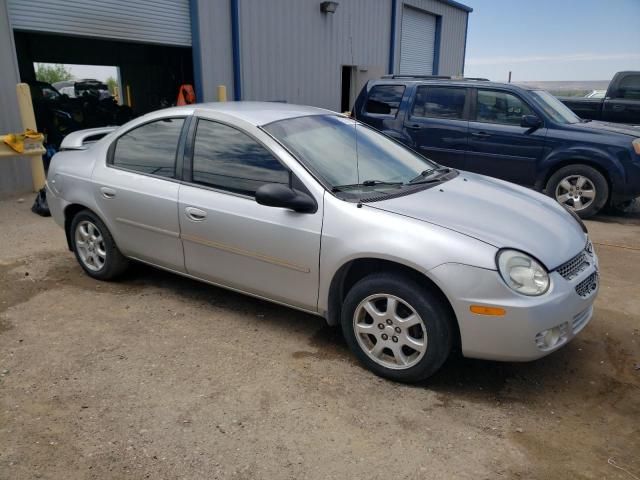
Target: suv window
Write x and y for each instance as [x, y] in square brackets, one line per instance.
[384, 99]
[228, 159]
[629, 87]
[439, 102]
[150, 148]
[500, 107]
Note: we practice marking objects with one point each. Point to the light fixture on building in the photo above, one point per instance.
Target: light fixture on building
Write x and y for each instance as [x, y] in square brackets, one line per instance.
[329, 7]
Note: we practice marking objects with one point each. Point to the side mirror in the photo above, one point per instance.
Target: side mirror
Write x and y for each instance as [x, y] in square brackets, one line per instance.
[282, 196]
[530, 121]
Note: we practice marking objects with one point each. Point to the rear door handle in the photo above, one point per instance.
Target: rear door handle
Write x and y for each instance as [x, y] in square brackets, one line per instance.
[107, 192]
[618, 108]
[195, 214]
[414, 126]
[481, 134]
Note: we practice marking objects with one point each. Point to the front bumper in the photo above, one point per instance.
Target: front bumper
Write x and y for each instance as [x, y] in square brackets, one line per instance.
[512, 337]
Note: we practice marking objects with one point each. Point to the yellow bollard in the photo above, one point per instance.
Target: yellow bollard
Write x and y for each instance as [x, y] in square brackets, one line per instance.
[222, 93]
[29, 121]
[129, 101]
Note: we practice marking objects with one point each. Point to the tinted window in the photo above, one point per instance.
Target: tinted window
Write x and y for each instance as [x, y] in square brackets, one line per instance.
[440, 102]
[150, 148]
[384, 99]
[500, 107]
[228, 159]
[630, 87]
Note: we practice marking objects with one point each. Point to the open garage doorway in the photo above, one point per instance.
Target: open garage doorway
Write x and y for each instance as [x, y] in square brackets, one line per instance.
[150, 74]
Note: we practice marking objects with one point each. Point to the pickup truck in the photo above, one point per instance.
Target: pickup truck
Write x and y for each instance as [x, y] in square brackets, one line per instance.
[621, 103]
[518, 134]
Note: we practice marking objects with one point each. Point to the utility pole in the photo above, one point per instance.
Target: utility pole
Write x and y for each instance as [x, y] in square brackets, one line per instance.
[509, 76]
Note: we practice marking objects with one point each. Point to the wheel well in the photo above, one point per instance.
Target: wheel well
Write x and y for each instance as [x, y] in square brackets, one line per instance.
[69, 212]
[566, 163]
[350, 273]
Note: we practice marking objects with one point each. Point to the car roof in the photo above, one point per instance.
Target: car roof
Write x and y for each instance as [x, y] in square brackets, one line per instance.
[260, 113]
[452, 82]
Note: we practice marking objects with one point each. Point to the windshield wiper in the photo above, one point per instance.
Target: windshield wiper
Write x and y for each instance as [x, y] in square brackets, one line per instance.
[424, 176]
[366, 183]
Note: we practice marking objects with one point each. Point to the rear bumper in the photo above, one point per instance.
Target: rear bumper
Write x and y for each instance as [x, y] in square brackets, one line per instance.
[512, 337]
[56, 205]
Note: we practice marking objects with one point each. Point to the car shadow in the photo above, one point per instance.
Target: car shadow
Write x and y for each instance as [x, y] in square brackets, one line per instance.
[459, 378]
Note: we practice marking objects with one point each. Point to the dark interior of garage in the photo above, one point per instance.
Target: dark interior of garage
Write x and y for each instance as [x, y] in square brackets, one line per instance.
[153, 73]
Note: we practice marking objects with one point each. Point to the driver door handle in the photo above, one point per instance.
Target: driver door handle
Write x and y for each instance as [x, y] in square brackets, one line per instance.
[481, 134]
[414, 126]
[195, 214]
[107, 192]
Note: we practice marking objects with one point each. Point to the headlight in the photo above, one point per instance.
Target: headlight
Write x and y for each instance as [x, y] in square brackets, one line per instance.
[636, 145]
[522, 273]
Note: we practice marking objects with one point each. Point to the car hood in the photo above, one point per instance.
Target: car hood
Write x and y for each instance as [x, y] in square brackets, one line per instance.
[631, 130]
[498, 213]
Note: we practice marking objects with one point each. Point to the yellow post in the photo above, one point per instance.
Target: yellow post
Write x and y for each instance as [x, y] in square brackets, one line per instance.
[129, 102]
[222, 93]
[29, 121]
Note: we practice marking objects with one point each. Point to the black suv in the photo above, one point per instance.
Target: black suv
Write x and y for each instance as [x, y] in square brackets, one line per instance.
[518, 134]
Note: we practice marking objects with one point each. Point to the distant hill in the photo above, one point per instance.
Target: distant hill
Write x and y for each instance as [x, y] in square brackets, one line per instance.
[569, 88]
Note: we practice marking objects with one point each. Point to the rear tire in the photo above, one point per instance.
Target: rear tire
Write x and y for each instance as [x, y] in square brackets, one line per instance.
[581, 188]
[95, 248]
[397, 328]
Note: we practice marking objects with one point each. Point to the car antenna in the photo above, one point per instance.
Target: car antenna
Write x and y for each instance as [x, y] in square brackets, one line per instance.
[355, 121]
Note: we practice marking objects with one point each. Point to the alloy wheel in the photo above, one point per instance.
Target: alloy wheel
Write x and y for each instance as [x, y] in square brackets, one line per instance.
[90, 245]
[390, 331]
[576, 192]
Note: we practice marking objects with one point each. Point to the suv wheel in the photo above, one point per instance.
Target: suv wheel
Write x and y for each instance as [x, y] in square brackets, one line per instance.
[396, 328]
[94, 247]
[581, 188]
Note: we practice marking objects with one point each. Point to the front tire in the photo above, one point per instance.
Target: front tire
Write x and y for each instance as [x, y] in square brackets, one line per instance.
[581, 188]
[397, 328]
[94, 247]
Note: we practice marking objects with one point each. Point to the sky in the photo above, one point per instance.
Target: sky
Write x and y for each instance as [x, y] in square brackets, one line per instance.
[557, 40]
[97, 72]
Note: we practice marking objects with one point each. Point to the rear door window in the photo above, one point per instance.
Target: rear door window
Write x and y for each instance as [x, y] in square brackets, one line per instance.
[150, 148]
[384, 100]
[630, 87]
[500, 107]
[439, 102]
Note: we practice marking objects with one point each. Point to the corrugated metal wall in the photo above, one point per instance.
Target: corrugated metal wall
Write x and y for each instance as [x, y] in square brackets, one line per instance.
[148, 21]
[214, 22]
[452, 34]
[290, 51]
[15, 174]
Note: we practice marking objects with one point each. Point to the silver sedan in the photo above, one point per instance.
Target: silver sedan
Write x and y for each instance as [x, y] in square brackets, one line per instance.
[310, 209]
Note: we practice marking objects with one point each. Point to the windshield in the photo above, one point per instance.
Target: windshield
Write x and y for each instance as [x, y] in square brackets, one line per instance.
[327, 145]
[553, 107]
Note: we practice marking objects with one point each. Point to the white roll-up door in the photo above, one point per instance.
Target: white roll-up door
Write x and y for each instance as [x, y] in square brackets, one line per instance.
[417, 43]
[165, 22]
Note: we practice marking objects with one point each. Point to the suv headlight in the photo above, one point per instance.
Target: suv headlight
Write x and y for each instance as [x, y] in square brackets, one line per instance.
[522, 273]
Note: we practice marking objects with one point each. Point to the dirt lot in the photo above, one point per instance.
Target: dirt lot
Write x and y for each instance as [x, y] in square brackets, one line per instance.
[162, 377]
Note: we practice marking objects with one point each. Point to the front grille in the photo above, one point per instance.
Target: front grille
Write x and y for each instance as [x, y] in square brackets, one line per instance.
[574, 266]
[588, 286]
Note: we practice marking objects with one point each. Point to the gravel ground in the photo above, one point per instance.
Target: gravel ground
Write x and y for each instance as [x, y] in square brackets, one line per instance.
[157, 376]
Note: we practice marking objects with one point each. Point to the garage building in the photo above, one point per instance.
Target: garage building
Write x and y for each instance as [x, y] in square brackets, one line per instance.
[299, 51]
